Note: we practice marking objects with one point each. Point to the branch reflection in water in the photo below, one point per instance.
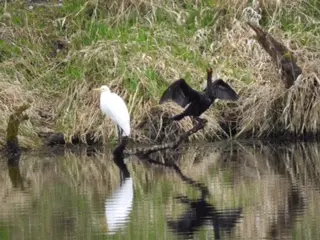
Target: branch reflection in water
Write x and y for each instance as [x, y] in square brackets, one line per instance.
[276, 187]
[199, 211]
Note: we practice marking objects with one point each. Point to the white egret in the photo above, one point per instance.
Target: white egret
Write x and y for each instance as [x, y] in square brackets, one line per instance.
[114, 107]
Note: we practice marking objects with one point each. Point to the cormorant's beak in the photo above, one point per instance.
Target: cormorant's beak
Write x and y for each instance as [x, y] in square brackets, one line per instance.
[96, 89]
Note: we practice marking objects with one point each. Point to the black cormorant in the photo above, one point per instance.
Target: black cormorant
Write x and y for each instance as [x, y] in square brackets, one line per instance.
[181, 93]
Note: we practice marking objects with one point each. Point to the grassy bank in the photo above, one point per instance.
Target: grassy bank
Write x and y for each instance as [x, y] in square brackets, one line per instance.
[53, 56]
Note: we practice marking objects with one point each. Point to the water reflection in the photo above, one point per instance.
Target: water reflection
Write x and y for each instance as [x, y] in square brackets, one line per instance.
[221, 190]
[119, 205]
[287, 216]
[198, 211]
[15, 176]
[14, 171]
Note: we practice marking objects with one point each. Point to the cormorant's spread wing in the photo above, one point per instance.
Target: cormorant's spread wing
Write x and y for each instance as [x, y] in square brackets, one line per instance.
[222, 90]
[179, 92]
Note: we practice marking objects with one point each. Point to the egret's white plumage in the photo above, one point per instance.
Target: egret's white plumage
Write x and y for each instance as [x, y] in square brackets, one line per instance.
[113, 106]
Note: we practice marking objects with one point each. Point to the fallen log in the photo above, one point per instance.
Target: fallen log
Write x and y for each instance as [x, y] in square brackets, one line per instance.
[154, 148]
[282, 57]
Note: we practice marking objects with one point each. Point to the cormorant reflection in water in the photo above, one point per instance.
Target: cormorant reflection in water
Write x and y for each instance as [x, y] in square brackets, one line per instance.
[200, 211]
[118, 206]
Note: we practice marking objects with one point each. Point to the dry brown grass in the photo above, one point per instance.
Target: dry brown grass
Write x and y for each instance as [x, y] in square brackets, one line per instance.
[265, 107]
[12, 95]
[138, 49]
[271, 110]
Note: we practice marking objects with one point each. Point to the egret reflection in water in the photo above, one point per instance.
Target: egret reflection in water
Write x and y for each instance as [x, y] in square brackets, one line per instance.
[118, 207]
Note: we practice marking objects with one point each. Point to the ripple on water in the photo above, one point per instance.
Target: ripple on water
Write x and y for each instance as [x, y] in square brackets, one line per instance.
[263, 192]
[118, 206]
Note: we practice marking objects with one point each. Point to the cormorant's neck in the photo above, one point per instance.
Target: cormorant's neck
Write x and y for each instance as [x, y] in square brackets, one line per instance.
[209, 84]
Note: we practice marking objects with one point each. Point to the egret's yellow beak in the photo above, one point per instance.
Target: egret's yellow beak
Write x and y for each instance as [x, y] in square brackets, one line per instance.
[96, 89]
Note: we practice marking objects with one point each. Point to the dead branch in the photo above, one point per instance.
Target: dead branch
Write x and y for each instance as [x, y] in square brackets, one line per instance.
[282, 57]
[174, 144]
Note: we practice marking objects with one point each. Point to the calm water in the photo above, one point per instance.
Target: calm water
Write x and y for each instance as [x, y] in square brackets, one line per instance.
[209, 191]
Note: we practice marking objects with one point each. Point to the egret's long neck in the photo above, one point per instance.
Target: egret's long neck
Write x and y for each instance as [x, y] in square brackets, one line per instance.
[103, 96]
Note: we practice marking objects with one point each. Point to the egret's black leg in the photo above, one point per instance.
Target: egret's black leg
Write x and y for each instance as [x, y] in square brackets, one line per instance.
[120, 131]
[118, 151]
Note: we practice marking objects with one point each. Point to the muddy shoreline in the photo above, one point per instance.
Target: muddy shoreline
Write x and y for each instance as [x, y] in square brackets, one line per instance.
[56, 139]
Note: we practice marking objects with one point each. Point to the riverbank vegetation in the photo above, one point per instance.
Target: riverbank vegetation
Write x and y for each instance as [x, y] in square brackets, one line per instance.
[53, 56]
